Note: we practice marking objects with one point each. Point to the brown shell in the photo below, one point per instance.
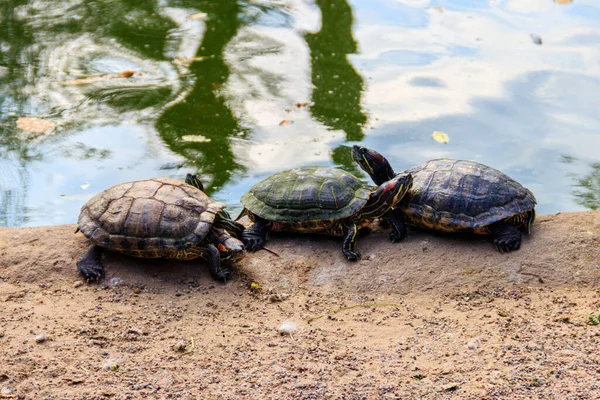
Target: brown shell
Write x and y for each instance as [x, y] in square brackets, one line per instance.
[148, 218]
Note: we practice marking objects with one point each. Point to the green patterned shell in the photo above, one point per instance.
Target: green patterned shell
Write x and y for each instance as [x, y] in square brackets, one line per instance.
[149, 218]
[456, 195]
[307, 194]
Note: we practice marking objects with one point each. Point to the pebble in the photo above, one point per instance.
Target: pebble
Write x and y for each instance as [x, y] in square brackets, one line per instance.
[474, 344]
[111, 365]
[450, 387]
[41, 338]
[6, 391]
[77, 284]
[287, 328]
[180, 346]
[136, 330]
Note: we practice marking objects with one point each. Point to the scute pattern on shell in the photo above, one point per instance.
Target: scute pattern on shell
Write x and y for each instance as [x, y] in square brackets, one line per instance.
[458, 195]
[323, 193]
[149, 218]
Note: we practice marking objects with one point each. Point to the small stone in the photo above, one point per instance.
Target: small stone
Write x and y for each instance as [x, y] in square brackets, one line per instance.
[287, 328]
[474, 344]
[41, 338]
[371, 257]
[77, 284]
[6, 391]
[180, 346]
[111, 365]
[450, 387]
[278, 297]
[136, 330]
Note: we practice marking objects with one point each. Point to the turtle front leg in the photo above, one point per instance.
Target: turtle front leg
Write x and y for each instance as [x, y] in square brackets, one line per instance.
[349, 242]
[396, 219]
[255, 237]
[212, 256]
[506, 237]
[90, 265]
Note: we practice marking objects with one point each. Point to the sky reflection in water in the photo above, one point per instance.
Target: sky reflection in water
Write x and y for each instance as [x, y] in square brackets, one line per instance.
[209, 94]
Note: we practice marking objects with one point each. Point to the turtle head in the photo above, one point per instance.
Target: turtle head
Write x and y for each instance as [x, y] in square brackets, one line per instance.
[387, 196]
[193, 180]
[373, 163]
[231, 249]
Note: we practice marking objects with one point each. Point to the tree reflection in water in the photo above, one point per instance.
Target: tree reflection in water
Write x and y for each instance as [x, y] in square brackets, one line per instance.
[202, 111]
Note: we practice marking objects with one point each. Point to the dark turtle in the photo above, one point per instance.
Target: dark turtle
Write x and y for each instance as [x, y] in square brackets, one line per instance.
[457, 196]
[318, 199]
[158, 218]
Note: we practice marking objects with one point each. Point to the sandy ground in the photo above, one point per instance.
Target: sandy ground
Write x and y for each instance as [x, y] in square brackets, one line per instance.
[433, 317]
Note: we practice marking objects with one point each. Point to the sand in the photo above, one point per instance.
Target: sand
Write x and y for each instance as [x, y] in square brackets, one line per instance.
[432, 317]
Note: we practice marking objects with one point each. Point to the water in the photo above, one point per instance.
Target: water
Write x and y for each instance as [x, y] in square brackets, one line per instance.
[248, 88]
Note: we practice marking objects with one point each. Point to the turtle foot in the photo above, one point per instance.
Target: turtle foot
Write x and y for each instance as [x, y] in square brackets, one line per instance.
[506, 237]
[222, 275]
[90, 266]
[396, 237]
[506, 244]
[252, 243]
[353, 255]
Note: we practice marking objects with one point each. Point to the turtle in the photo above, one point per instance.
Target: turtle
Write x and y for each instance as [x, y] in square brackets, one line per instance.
[317, 199]
[159, 218]
[450, 195]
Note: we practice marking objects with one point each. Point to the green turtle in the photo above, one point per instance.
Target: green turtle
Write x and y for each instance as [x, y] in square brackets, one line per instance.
[457, 196]
[158, 218]
[318, 199]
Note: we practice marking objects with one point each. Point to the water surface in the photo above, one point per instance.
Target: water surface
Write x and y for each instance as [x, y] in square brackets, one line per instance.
[237, 90]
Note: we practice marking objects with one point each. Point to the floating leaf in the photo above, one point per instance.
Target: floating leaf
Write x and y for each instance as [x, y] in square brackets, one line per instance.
[536, 39]
[187, 61]
[34, 124]
[563, 1]
[126, 74]
[286, 122]
[440, 137]
[200, 15]
[195, 138]
[438, 9]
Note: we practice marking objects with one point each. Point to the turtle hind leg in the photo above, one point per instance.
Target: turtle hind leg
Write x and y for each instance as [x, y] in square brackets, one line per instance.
[90, 265]
[505, 236]
[255, 237]
[211, 254]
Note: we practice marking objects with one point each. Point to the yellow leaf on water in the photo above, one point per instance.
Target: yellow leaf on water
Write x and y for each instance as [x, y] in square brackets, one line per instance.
[286, 122]
[200, 15]
[563, 1]
[195, 138]
[126, 74]
[34, 124]
[440, 137]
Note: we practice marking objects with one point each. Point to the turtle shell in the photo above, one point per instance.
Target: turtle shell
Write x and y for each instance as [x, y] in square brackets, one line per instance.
[149, 218]
[456, 195]
[307, 194]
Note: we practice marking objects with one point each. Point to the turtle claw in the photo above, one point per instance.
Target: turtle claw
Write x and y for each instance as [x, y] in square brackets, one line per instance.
[395, 237]
[353, 255]
[90, 266]
[222, 275]
[504, 245]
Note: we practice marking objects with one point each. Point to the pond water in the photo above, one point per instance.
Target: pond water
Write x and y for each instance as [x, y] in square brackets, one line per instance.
[237, 90]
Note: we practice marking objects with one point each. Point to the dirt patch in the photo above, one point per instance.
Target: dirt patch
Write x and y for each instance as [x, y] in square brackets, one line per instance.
[430, 317]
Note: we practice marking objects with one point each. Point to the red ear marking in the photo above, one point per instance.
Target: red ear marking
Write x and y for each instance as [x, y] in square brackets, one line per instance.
[222, 248]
